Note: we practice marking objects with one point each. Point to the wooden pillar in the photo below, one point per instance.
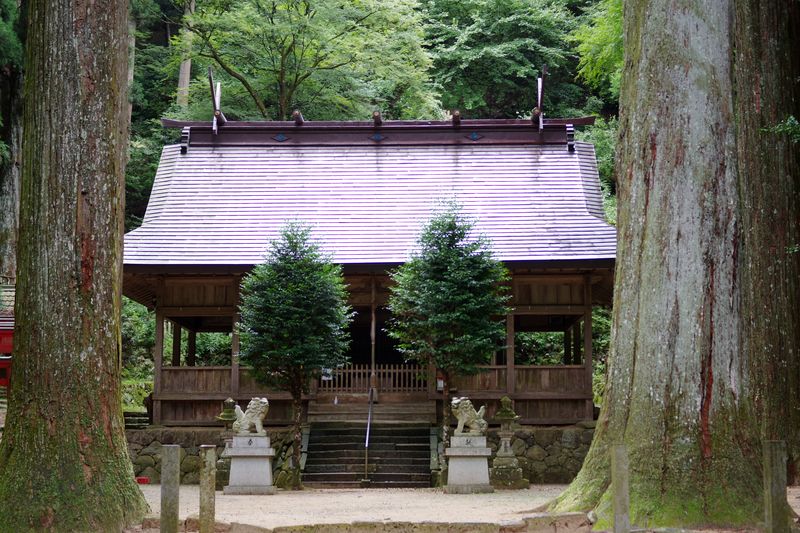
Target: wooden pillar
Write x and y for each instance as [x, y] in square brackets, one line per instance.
[158, 360]
[576, 343]
[176, 344]
[510, 373]
[568, 346]
[588, 360]
[191, 349]
[373, 378]
[235, 341]
[776, 508]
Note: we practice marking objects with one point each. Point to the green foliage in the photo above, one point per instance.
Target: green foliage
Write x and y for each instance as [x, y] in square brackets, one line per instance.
[603, 135]
[538, 348]
[332, 59]
[488, 54]
[138, 338]
[446, 300]
[294, 313]
[213, 349]
[144, 150]
[599, 44]
[10, 42]
[789, 127]
[134, 391]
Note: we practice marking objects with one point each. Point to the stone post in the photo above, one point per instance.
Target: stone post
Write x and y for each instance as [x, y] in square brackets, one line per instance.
[170, 487]
[619, 486]
[208, 476]
[776, 508]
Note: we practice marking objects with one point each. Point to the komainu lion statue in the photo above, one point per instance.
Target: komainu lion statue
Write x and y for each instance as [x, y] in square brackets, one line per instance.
[467, 416]
[253, 417]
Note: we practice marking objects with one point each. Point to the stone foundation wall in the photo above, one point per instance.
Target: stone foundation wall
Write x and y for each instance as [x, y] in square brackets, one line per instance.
[548, 454]
[144, 448]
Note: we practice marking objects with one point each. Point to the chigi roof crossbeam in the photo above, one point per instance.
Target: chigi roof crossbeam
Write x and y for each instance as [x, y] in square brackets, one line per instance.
[378, 132]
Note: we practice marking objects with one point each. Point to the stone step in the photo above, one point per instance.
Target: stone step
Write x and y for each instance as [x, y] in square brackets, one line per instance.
[417, 431]
[422, 468]
[328, 477]
[373, 439]
[378, 460]
[346, 455]
[372, 484]
[376, 446]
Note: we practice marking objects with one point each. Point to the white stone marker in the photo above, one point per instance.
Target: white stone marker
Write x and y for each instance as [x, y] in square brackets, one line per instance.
[251, 465]
[468, 465]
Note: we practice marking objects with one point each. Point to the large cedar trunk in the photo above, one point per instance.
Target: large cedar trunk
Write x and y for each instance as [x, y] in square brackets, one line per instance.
[63, 459]
[706, 333]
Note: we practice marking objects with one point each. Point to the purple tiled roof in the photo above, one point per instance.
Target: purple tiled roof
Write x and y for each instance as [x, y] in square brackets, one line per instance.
[221, 205]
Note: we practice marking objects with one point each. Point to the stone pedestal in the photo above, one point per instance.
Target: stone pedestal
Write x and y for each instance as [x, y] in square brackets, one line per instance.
[506, 472]
[251, 465]
[468, 465]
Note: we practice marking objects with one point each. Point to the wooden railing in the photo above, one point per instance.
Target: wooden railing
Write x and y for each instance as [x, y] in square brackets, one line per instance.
[556, 379]
[401, 378]
[355, 379]
[490, 378]
[195, 379]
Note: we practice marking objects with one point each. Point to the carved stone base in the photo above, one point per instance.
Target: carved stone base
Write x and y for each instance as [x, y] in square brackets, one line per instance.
[468, 465]
[468, 489]
[251, 465]
[508, 478]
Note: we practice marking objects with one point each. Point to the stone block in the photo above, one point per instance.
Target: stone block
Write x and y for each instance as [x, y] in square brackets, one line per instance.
[518, 446]
[191, 463]
[536, 453]
[544, 437]
[152, 473]
[587, 424]
[145, 461]
[154, 448]
[587, 436]
[571, 438]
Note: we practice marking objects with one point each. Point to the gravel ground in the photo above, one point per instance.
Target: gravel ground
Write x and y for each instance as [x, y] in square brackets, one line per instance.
[320, 506]
[341, 506]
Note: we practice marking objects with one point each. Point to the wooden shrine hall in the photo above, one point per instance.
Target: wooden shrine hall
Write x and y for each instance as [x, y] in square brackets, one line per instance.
[367, 188]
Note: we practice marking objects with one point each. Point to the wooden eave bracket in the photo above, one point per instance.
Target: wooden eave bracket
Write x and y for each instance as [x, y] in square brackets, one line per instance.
[186, 137]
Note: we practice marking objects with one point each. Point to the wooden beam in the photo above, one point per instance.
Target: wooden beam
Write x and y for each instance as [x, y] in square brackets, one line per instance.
[191, 349]
[158, 360]
[587, 344]
[235, 342]
[176, 344]
[179, 311]
[511, 375]
[567, 347]
[548, 310]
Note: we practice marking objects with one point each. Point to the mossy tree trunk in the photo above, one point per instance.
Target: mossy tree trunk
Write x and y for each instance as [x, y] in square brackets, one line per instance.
[706, 332]
[63, 458]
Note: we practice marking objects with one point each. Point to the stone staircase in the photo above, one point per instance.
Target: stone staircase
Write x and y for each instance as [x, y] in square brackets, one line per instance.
[399, 455]
[354, 410]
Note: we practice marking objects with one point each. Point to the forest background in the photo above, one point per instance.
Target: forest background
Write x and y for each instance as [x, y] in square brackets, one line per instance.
[341, 60]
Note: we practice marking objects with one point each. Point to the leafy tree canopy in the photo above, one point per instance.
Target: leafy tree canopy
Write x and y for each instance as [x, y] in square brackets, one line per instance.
[488, 54]
[447, 299]
[333, 59]
[294, 313]
[599, 44]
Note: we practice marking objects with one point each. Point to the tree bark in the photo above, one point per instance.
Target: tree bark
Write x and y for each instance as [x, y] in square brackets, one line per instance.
[10, 135]
[297, 431]
[706, 332]
[185, 73]
[63, 459]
